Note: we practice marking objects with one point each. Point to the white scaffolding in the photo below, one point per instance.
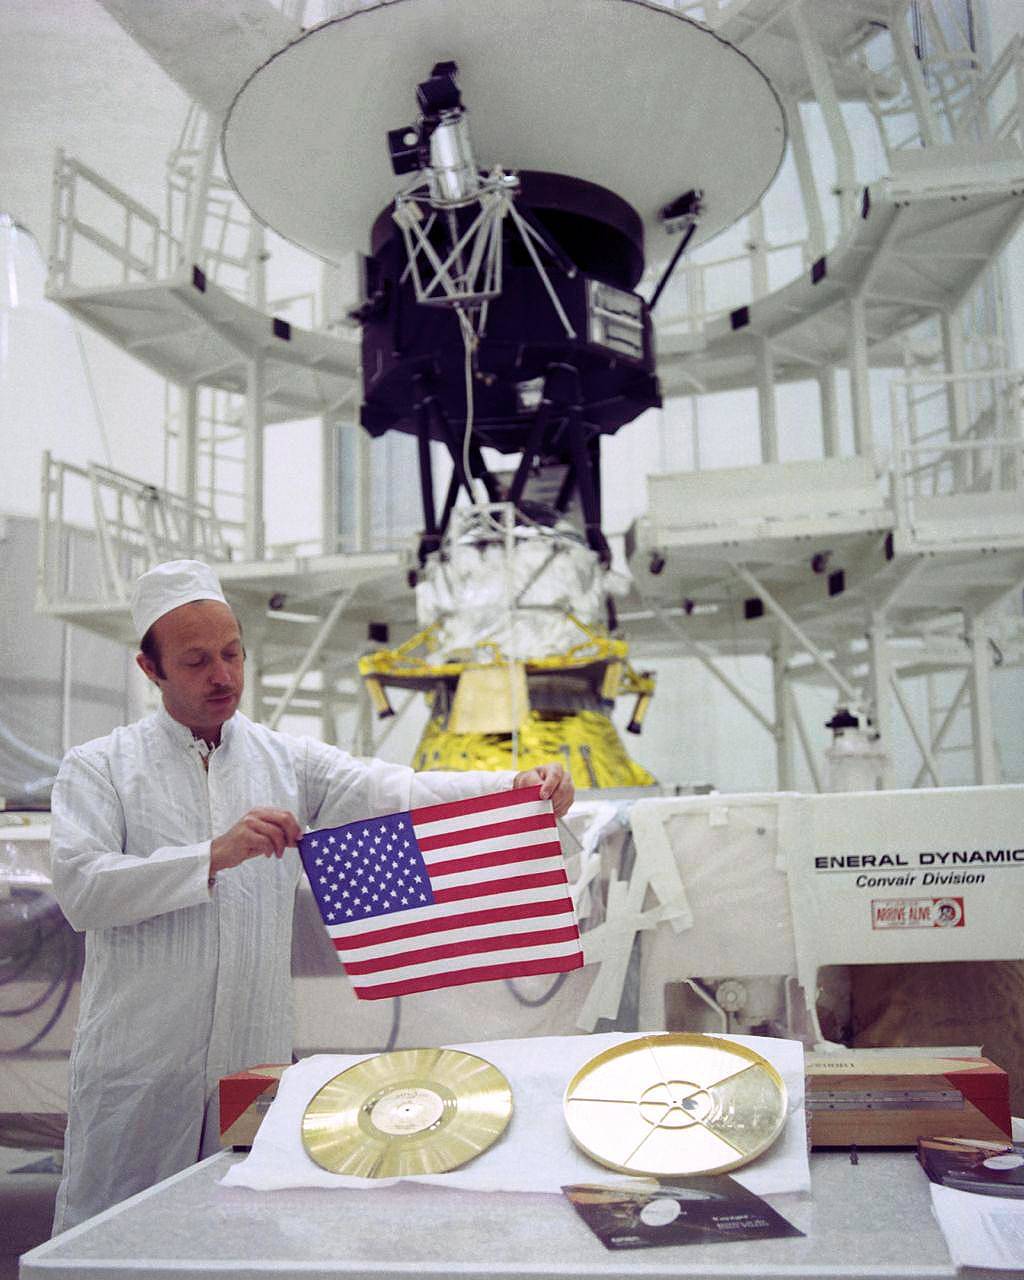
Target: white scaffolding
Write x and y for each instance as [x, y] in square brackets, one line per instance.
[903, 561]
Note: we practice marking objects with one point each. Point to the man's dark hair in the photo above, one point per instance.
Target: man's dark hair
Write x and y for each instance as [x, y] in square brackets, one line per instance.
[151, 649]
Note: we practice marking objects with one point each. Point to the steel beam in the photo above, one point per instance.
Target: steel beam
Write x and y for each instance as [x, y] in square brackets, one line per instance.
[312, 653]
[944, 727]
[880, 679]
[823, 86]
[797, 632]
[328, 485]
[986, 769]
[767, 415]
[922, 745]
[910, 66]
[964, 465]
[805, 742]
[704, 658]
[783, 714]
[188, 462]
[860, 387]
[253, 497]
[829, 411]
[816, 237]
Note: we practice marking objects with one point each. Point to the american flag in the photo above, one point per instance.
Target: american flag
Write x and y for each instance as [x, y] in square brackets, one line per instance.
[448, 894]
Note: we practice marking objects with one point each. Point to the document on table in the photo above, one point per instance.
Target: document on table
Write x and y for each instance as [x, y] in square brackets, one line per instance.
[980, 1230]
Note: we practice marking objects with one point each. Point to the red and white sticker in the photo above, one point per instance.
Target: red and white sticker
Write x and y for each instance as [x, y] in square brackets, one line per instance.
[917, 913]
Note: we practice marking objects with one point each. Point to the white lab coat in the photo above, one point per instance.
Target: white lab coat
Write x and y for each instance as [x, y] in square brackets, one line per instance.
[185, 983]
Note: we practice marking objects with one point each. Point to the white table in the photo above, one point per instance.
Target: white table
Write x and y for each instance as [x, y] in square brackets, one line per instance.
[862, 1222]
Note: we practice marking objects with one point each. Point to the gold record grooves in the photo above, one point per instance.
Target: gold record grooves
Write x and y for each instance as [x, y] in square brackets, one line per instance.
[407, 1112]
[675, 1105]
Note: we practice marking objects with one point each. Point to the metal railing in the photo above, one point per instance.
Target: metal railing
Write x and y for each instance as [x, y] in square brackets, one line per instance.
[958, 100]
[136, 525]
[86, 208]
[997, 101]
[958, 448]
[206, 216]
[705, 291]
[944, 96]
[101, 236]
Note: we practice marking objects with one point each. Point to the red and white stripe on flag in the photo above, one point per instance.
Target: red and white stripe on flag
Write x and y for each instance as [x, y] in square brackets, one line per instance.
[496, 903]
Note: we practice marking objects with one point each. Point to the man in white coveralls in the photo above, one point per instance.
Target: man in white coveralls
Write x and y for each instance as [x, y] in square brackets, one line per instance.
[168, 847]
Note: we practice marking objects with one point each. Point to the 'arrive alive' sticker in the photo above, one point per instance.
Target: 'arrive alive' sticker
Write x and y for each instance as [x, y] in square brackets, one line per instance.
[917, 913]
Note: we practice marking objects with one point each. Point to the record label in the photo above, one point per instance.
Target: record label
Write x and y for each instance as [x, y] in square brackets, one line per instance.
[672, 1105]
[407, 1110]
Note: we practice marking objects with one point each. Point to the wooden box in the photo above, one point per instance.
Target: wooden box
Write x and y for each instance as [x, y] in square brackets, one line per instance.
[244, 1100]
[873, 1098]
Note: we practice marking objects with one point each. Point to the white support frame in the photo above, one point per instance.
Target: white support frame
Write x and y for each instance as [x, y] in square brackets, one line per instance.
[986, 770]
[253, 496]
[706, 659]
[784, 719]
[823, 86]
[939, 735]
[820, 658]
[210, 217]
[914, 80]
[323, 634]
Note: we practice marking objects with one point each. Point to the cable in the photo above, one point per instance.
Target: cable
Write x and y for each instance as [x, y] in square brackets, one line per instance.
[396, 1023]
[469, 344]
[35, 1004]
[560, 979]
[26, 907]
[100, 424]
[51, 1022]
[33, 954]
[551, 992]
[69, 976]
[29, 753]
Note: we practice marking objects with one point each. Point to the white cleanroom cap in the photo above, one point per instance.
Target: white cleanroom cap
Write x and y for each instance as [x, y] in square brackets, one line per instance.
[168, 585]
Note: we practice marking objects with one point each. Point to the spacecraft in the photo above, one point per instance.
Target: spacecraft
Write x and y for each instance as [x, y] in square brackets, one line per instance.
[515, 236]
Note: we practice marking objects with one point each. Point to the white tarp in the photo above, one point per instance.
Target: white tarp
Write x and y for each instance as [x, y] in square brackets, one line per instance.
[724, 849]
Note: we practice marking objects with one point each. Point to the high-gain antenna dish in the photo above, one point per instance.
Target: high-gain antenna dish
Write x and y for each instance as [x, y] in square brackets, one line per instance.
[634, 98]
[510, 166]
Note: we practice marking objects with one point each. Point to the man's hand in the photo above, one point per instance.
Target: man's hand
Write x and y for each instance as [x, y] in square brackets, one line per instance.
[555, 785]
[260, 833]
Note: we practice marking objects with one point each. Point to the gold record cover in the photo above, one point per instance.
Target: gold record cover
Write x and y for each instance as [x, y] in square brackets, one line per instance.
[407, 1112]
[675, 1105]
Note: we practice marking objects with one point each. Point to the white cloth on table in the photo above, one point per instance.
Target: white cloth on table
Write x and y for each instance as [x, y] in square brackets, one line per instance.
[185, 983]
[536, 1152]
